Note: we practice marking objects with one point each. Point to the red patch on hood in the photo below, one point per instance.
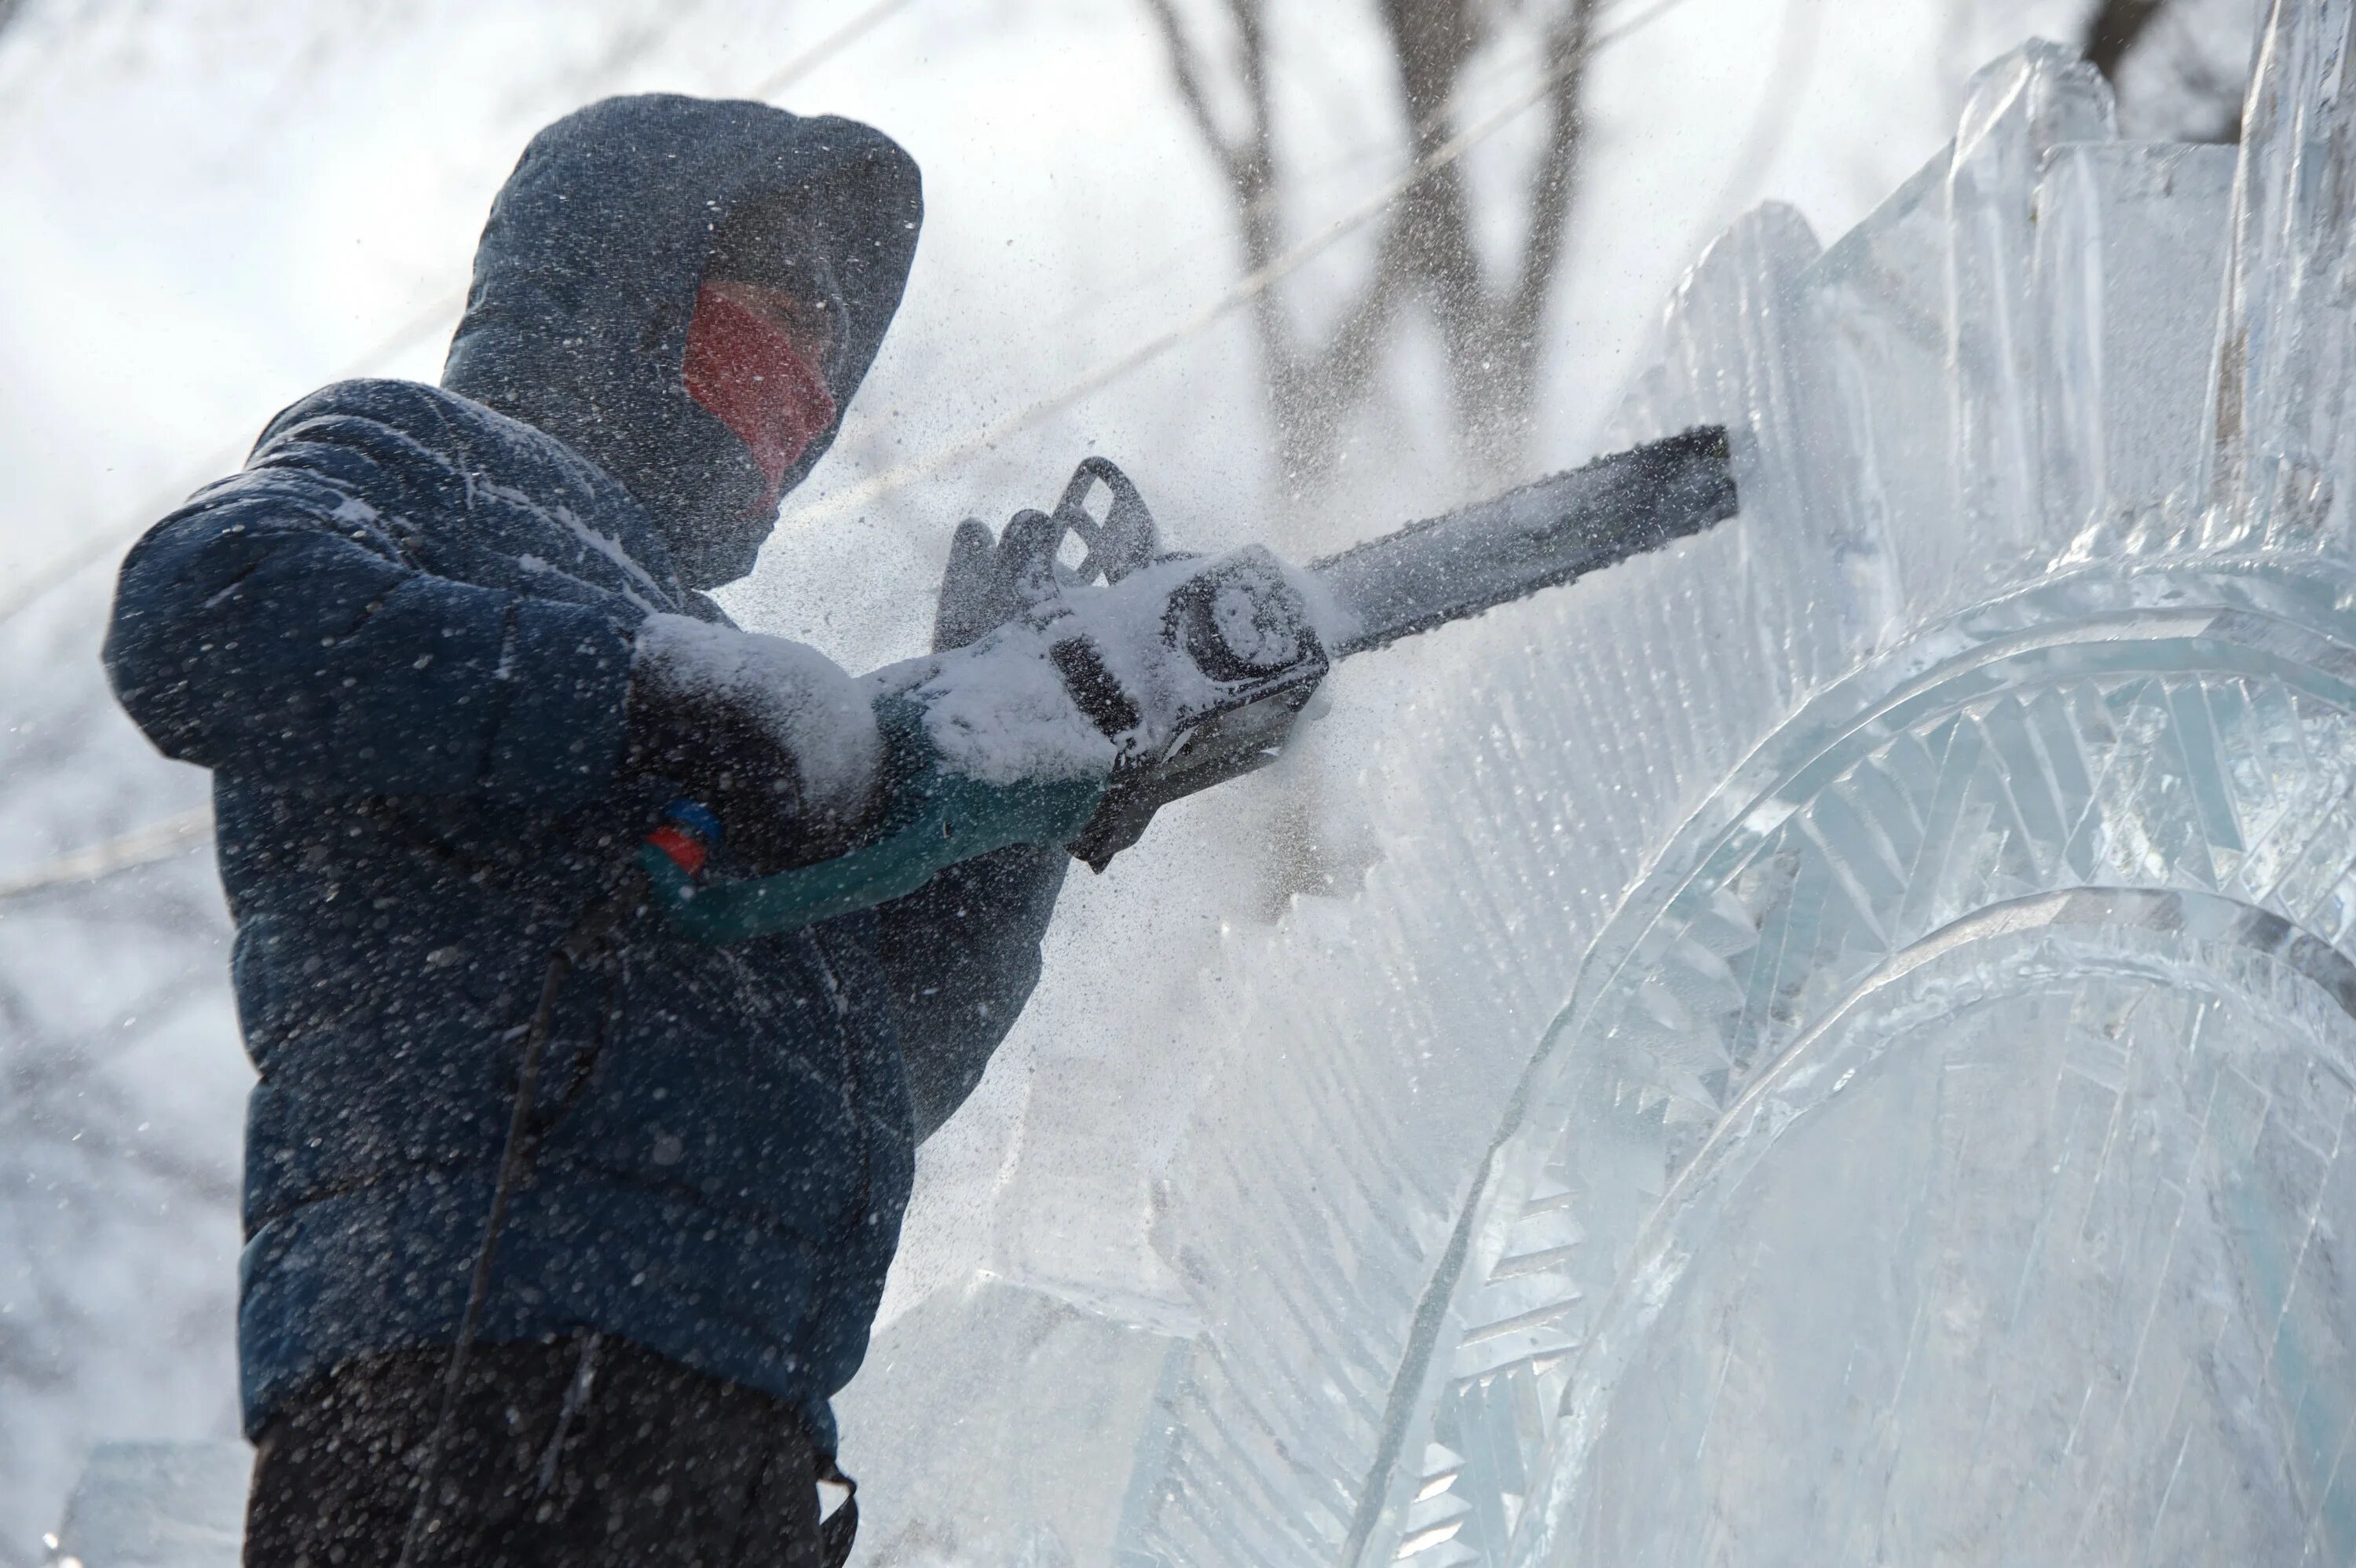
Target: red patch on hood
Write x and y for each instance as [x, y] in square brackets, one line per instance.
[747, 368]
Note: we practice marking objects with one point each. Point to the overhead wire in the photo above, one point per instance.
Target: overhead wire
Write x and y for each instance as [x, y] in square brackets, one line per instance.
[825, 49]
[141, 845]
[57, 572]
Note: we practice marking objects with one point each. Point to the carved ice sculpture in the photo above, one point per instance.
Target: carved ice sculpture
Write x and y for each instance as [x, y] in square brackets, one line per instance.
[1846, 1054]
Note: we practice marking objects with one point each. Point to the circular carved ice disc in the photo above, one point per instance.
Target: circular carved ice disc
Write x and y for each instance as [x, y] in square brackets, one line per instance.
[1940, 1160]
[2027, 1256]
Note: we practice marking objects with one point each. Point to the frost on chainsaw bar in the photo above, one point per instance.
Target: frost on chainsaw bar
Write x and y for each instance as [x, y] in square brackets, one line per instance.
[1844, 1053]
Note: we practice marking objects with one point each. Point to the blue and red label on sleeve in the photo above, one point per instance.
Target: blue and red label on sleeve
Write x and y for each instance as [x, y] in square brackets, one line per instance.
[688, 835]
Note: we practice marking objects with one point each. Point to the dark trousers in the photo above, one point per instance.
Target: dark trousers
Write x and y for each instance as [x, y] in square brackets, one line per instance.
[585, 1451]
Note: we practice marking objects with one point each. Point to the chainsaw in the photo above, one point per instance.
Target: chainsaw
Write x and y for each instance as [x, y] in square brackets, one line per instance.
[1190, 671]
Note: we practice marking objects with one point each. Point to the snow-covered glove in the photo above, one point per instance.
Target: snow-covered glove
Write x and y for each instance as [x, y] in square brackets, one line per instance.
[769, 735]
[994, 578]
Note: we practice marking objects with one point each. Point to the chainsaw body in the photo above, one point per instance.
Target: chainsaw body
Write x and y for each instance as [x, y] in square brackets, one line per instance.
[1190, 670]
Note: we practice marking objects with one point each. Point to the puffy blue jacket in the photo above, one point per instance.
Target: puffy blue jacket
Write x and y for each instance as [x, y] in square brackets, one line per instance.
[401, 637]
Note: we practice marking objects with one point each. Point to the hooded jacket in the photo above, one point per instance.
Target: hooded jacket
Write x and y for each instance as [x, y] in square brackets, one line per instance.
[401, 639]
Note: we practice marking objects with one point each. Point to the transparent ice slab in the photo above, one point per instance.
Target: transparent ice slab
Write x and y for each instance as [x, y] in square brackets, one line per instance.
[1844, 1053]
[156, 1505]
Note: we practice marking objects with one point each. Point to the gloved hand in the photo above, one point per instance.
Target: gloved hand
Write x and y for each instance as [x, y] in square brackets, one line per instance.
[979, 589]
[769, 735]
[993, 579]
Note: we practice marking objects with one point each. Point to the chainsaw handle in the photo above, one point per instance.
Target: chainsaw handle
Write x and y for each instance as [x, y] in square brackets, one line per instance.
[1116, 544]
[1125, 538]
[939, 818]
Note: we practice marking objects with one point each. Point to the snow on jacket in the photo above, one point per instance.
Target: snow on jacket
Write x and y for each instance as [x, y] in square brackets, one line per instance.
[402, 638]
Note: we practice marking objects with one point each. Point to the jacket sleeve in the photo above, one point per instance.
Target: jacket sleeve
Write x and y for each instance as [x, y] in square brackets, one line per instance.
[962, 956]
[278, 628]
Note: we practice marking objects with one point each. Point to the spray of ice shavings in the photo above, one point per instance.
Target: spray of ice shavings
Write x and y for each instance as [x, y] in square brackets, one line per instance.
[821, 715]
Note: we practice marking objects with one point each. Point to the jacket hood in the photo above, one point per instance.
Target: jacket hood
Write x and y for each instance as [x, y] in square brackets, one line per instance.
[586, 277]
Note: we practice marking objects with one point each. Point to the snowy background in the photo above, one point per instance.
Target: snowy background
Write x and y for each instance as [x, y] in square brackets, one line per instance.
[213, 208]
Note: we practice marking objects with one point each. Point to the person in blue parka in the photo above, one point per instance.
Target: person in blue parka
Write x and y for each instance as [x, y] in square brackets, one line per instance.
[448, 652]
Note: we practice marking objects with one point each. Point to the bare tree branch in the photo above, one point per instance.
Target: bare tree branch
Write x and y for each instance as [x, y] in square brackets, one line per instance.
[1427, 251]
[2115, 29]
[1322, 393]
[1186, 72]
[1554, 183]
[1259, 172]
